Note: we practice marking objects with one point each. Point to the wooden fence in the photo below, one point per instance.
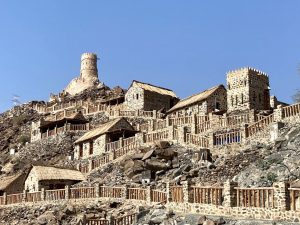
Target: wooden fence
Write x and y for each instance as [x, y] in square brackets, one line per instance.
[137, 194]
[234, 121]
[123, 220]
[157, 136]
[197, 140]
[14, 198]
[203, 127]
[179, 121]
[228, 138]
[207, 195]
[101, 161]
[292, 110]
[260, 125]
[34, 196]
[82, 192]
[111, 192]
[158, 196]
[255, 197]
[53, 195]
[176, 194]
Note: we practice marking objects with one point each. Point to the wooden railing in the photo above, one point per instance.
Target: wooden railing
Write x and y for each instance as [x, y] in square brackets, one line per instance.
[84, 168]
[75, 127]
[158, 196]
[175, 134]
[158, 136]
[98, 162]
[260, 125]
[207, 195]
[201, 118]
[159, 124]
[197, 140]
[146, 114]
[2, 200]
[113, 146]
[14, 198]
[255, 197]
[144, 127]
[181, 120]
[292, 110]
[34, 197]
[295, 198]
[176, 194]
[111, 192]
[95, 222]
[137, 194]
[128, 141]
[233, 121]
[203, 127]
[125, 220]
[82, 192]
[124, 150]
[228, 138]
[53, 195]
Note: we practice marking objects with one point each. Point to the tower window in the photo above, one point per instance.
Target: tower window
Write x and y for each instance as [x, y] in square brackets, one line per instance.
[242, 98]
[236, 100]
[137, 96]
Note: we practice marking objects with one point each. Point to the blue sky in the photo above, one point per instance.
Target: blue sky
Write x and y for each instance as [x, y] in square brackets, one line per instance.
[186, 46]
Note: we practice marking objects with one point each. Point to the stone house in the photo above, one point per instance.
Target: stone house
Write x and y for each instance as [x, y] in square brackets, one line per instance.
[274, 102]
[247, 89]
[94, 142]
[210, 100]
[12, 184]
[142, 96]
[58, 123]
[51, 178]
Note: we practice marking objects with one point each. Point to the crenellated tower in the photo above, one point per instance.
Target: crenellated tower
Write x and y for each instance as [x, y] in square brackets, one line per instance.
[248, 88]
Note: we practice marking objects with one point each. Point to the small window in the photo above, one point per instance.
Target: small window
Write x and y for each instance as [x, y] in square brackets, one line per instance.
[236, 100]
[91, 148]
[242, 98]
[80, 150]
[137, 96]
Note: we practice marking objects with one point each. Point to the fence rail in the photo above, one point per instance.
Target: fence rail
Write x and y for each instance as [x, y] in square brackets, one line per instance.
[34, 197]
[158, 196]
[197, 140]
[82, 192]
[137, 194]
[53, 195]
[111, 192]
[176, 194]
[157, 136]
[260, 125]
[207, 195]
[179, 121]
[295, 198]
[15, 198]
[228, 138]
[255, 197]
[292, 110]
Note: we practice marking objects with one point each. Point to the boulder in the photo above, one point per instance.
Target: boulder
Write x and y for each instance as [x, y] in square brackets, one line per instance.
[162, 144]
[156, 165]
[220, 221]
[48, 218]
[209, 222]
[201, 220]
[168, 154]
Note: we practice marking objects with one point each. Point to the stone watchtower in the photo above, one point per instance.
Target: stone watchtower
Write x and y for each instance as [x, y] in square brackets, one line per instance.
[247, 88]
[88, 75]
[88, 66]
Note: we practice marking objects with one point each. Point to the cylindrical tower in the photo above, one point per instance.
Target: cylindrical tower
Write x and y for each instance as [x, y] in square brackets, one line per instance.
[88, 66]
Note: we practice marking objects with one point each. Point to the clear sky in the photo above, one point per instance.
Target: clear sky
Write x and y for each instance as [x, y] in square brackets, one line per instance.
[187, 46]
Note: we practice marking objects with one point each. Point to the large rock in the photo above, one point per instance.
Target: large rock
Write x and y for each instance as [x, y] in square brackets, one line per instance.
[48, 218]
[156, 165]
[162, 144]
[201, 220]
[168, 154]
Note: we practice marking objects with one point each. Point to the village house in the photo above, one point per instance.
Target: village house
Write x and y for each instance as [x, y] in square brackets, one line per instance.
[147, 97]
[51, 178]
[56, 124]
[12, 184]
[94, 142]
[211, 100]
[247, 89]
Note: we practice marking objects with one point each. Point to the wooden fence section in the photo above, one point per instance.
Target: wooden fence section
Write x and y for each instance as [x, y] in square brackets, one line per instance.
[79, 127]
[201, 118]
[157, 136]
[137, 194]
[53, 195]
[84, 168]
[111, 192]
[2, 200]
[179, 121]
[95, 222]
[125, 220]
[82, 192]
[101, 161]
[14, 198]
[113, 146]
[292, 110]
[158, 196]
[228, 138]
[295, 198]
[260, 125]
[124, 150]
[203, 127]
[34, 197]
[207, 195]
[176, 194]
[159, 124]
[234, 121]
[255, 197]
[197, 140]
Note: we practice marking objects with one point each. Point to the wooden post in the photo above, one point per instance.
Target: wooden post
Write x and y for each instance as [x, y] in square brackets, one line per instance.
[43, 194]
[67, 192]
[24, 196]
[5, 198]
[97, 190]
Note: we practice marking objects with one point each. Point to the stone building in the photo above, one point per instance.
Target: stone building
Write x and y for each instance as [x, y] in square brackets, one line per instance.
[12, 184]
[51, 178]
[59, 123]
[247, 89]
[274, 102]
[142, 96]
[88, 75]
[213, 99]
[94, 142]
